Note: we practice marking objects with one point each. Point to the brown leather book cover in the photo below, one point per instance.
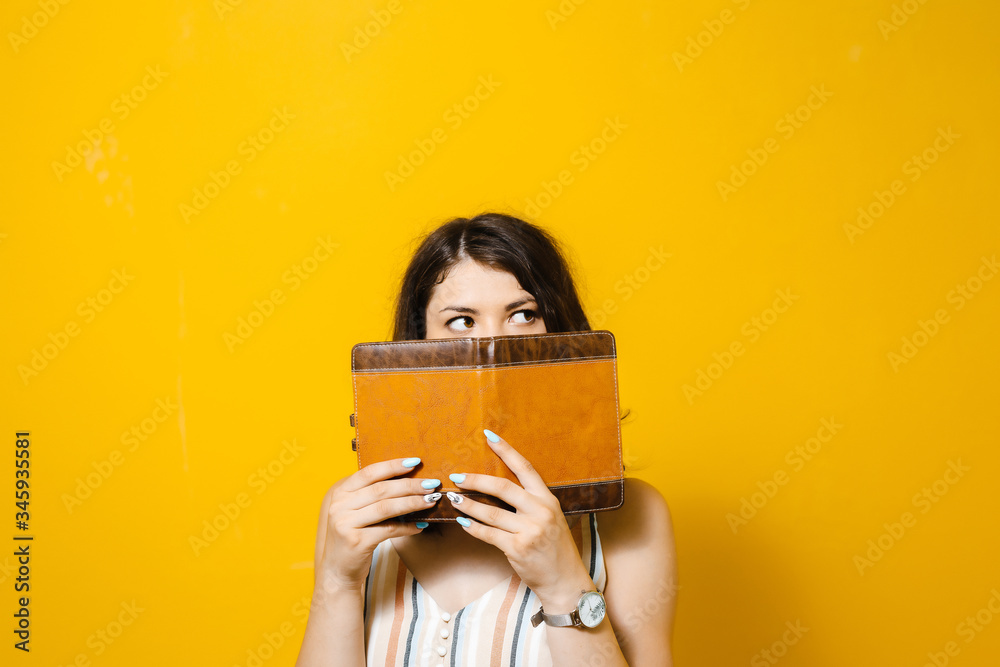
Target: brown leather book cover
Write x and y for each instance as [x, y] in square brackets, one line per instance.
[553, 397]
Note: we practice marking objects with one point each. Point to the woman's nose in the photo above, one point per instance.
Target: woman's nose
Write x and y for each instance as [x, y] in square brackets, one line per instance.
[488, 331]
[490, 328]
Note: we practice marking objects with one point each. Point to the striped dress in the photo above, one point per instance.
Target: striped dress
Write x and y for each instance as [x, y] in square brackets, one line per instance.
[404, 626]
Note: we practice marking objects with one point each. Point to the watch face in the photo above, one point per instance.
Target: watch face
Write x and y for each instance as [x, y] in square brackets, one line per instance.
[591, 609]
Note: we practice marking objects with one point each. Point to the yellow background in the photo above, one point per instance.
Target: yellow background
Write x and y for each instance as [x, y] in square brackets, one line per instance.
[682, 126]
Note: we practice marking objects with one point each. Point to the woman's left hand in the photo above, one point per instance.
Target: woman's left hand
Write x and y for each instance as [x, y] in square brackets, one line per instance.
[536, 538]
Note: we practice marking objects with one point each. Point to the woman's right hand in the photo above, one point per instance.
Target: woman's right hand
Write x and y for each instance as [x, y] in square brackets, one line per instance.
[355, 517]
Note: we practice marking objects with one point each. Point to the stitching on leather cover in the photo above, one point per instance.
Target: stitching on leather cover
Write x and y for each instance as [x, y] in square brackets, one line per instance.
[573, 482]
[544, 362]
[621, 483]
[618, 422]
[357, 421]
[438, 340]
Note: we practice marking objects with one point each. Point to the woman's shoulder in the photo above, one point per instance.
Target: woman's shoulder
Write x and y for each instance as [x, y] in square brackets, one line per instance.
[643, 519]
[644, 504]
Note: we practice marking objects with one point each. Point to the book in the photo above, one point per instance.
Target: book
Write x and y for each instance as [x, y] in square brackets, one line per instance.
[553, 397]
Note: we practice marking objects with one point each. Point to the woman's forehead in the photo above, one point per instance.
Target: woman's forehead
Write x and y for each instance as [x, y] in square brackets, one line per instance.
[470, 280]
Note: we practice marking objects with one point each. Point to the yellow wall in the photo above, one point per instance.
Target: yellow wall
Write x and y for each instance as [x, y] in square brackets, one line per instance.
[299, 119]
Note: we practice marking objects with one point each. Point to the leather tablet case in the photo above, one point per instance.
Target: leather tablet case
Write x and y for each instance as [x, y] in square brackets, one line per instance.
[553, 397]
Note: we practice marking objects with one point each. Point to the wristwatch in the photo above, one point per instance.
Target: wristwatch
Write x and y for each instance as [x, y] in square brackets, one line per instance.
[589, 613]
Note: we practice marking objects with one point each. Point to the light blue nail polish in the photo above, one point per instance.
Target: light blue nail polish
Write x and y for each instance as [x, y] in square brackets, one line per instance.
[422, 524]
[430, 483]
[457, 477]
[463, 521]
[410, 462]
[491, 436]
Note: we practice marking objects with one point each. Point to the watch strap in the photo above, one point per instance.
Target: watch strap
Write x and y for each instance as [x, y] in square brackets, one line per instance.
[556, 620]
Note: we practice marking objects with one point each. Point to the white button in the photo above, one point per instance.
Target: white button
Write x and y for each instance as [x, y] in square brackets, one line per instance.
[444, 633]
[442, 650]
[446, 617]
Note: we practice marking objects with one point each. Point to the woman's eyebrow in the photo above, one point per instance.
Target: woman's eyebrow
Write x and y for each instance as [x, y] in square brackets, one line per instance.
[473, 311]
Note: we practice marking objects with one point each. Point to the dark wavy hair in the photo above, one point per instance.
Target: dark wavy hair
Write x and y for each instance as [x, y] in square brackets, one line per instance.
[501, 242]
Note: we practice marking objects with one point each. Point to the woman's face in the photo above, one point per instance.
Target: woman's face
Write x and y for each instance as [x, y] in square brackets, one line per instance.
[476, 301]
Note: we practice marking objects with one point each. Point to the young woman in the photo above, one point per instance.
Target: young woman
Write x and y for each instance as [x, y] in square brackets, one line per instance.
[391, 593]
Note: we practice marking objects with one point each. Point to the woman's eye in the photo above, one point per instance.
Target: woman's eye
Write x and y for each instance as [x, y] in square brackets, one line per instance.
[466, 323]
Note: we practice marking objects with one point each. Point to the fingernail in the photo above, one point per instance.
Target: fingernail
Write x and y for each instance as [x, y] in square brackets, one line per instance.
[455, 498]
[491, 436]
[463, 521]
[457, 477]
[410, 462]
[432, 497]
[422, 524]
[430, 483]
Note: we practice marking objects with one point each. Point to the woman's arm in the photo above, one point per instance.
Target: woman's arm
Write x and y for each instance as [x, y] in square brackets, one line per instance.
[641, 561]
[638, 545]
[335, 632]
[352, 522]
[537, 542]
[336, 623]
